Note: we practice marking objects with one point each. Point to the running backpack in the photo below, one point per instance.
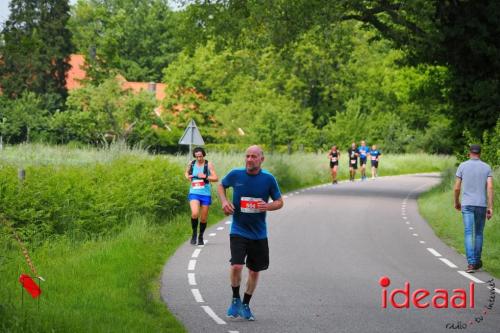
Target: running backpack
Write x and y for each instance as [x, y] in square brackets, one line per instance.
[205, 170]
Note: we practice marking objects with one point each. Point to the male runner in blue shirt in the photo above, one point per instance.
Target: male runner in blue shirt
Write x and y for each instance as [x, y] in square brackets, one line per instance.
[363, 154]
[252, 188]
[374, 157]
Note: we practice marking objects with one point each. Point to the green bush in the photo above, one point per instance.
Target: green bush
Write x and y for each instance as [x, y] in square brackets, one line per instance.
[88, 200]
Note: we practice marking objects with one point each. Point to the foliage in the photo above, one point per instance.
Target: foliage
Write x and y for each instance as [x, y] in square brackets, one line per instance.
[88, 200]
[35, 49]
[139, 46]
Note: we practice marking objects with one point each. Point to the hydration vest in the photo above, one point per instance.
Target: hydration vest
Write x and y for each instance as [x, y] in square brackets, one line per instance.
[205, 170]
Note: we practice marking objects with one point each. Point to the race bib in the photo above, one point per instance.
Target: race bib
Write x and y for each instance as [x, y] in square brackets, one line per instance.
[198, 184]
[353, 161]
[249, 205]
[374, 158]
[363, 153]
[334, 159]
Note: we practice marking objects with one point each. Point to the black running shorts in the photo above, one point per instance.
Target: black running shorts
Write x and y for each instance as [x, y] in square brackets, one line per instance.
[353, 163]
[362, 161]
[375, 164]
[256, 253]
[332, 164]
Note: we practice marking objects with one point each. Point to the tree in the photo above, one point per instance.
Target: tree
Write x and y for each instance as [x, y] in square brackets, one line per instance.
[135, 38]
[36, 48]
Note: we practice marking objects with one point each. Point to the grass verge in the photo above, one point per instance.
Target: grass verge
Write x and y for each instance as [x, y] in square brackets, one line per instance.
[436, 206]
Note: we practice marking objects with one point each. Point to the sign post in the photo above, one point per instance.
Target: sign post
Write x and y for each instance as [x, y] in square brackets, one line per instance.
[191, 136]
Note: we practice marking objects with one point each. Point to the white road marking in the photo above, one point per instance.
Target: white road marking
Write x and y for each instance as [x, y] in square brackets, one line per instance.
[449, 263]
[196, 253]
[404, 217]
[411, 228]
[407, 222]
[470, 277]
[228, 222]
[212, 315]
[191, 279]
[212, 234]
[434, 252]
[422, 242]
[285, 196]
[233, 332]
[416, 235]
[197, 296]
[497, 290]
[220, 228]
[296, 192]
[192, 265]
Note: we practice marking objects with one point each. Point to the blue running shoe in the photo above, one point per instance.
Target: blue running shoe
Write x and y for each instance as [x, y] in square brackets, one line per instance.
[234, 309]
[246, 313]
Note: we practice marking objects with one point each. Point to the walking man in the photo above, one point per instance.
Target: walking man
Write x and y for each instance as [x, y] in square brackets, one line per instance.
[252, 188]
[475, 180]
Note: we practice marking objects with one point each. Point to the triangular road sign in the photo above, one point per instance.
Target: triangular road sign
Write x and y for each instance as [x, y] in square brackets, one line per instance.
[192, 135]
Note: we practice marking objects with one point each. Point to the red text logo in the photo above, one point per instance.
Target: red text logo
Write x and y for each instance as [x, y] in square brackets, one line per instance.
[423, 298]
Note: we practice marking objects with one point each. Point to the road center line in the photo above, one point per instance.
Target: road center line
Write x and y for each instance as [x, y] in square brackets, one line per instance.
[196, 253]
[197, 295]
[434, 252]
[220, 228]
[212, 234]
[191, 279]
[191, 265]
[228, 222]
[497, 290]
[212, 315]
[470, 277]
[449, 263]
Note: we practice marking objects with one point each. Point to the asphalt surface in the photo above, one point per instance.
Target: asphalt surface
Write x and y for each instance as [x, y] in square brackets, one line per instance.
[329, 247]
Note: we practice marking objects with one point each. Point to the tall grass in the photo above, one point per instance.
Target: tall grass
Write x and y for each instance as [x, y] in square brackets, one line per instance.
[304, 169]
[105, 285]
[436, 206]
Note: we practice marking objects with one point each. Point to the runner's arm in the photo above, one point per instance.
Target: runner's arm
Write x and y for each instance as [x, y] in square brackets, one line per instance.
[213, 176]
[186, 173]
[270, 206]
[227, 206]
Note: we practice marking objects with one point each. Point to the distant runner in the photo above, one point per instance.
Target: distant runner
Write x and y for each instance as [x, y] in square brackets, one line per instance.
[363, 155]
[334, 156]
[252, 189]
[200, 173]
[374, 157]
[353, 161]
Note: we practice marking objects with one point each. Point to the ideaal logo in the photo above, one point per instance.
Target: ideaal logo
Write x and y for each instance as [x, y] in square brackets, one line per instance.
[439, 299]
[423, 298]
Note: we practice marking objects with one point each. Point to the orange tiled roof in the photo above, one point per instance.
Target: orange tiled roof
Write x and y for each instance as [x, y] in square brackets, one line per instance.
[77, 73]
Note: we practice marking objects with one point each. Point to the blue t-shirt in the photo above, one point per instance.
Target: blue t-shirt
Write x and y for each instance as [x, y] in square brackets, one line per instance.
[249, 223]
[374, 154]
[474, 174]
[198, 185]
[363, 151]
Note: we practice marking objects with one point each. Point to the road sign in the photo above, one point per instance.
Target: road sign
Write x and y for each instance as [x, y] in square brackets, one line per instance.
[191, 136]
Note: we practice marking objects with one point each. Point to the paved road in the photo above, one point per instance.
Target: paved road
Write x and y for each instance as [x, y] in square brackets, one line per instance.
[329, 247]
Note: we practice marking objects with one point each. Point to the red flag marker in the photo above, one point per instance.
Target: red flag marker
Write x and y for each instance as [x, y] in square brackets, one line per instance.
[30, 285]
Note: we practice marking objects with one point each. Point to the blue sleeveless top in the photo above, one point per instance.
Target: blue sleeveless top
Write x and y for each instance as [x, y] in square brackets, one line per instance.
[198, 186]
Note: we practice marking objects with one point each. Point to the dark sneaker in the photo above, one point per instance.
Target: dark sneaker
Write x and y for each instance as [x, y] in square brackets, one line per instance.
[193, 240]
[470, 269]
[246, 313]
[478, 265]
[234, 309]
[335, 182]
[200, 241]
